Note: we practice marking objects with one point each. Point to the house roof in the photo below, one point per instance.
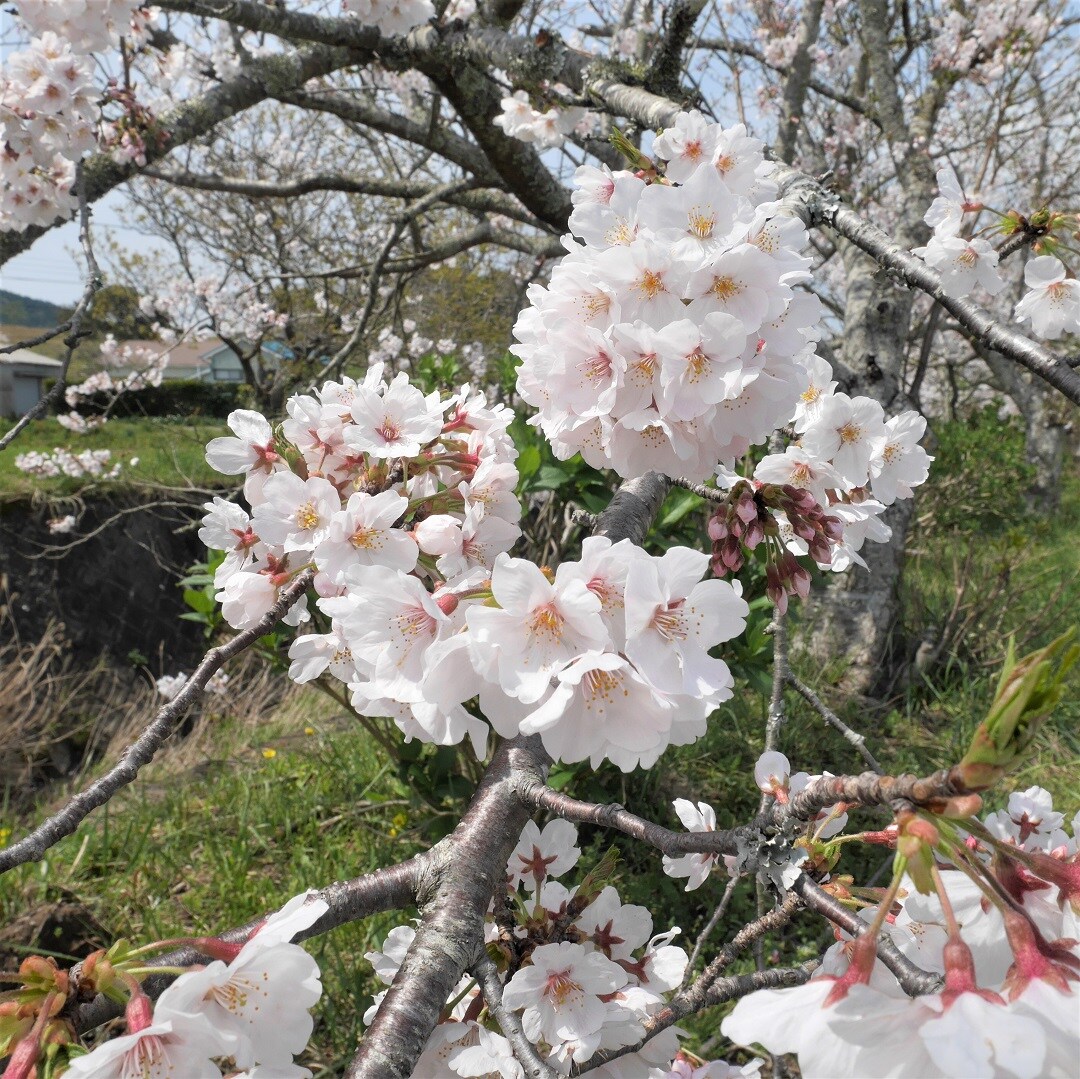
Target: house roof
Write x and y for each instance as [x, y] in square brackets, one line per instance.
[24, 357]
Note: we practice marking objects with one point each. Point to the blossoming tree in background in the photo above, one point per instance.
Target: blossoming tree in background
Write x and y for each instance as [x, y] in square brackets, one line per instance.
[686, 335]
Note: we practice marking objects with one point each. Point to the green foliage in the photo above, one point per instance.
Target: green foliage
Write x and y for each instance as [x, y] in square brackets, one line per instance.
[115, 309]
[301, 800]
[199, 592]
[184, 397]
[979, 476]
[16, 310]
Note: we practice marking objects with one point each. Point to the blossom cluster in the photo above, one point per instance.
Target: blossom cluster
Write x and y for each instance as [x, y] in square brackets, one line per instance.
[391, 17]
[583, 968]
[543, 129]
[1052, 302]
[252, 1009]
[50, 105]
[62, 462]
[670, 336]
[49, 111]
[404, 504]
[1001, 927]
[961, 262]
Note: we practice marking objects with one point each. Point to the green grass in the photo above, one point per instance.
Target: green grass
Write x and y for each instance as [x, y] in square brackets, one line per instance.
[170, 452]
[299, 802]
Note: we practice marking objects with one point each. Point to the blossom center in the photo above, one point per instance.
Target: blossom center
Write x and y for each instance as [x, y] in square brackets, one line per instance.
[390, 429]
[547, 622]
[725, 163]
[307, 517]
[232, 996]
[595, 303]
[141, 1058]
[620, 235]
[701, 223]
[601, 684]
[670, 623]
[890, 453]
[597, 368]
[697, 365]
[415, 622]
[724, 288]
[850, 432]
[651, 284]
[363, 538]
[560, 985]
[968, 257]
[810, 395]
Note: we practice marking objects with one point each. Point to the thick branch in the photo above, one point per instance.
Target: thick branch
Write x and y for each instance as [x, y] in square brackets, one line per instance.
[631, 511]
[915, 980]
[143, 749]
[798, 79]
[870, 788]
[454, 898]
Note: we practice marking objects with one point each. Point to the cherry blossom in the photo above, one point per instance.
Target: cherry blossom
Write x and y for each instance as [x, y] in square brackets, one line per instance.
[696, 867]
[1052, 302]
[560, 993]
[962, 264]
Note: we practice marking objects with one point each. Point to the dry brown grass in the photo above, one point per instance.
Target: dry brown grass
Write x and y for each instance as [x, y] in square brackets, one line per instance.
[60, 721]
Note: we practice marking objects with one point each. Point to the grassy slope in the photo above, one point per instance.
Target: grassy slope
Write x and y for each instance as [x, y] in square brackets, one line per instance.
[188, 850]
[170, 453]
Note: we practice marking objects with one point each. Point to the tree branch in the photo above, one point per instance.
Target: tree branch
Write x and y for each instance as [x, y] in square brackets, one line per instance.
[537, 794]
[830, 717]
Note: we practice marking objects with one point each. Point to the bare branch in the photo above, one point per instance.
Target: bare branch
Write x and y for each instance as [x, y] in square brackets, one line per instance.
[614, 816]
[257, 80]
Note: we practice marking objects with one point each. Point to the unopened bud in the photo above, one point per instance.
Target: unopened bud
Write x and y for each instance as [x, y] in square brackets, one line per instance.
[139, 1013]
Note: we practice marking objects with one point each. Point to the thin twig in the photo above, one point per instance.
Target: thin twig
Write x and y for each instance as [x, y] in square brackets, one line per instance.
[712, 494]
[710, 925]
[830, 717]
[723, 841]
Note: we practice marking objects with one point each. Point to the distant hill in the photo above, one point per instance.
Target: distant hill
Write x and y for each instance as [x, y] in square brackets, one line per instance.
[16, 310]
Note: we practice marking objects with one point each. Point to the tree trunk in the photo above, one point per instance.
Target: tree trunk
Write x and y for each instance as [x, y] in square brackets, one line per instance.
[854, 617]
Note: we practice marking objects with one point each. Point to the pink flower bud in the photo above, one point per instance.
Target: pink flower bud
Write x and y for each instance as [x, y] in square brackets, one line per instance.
[139, 1012]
